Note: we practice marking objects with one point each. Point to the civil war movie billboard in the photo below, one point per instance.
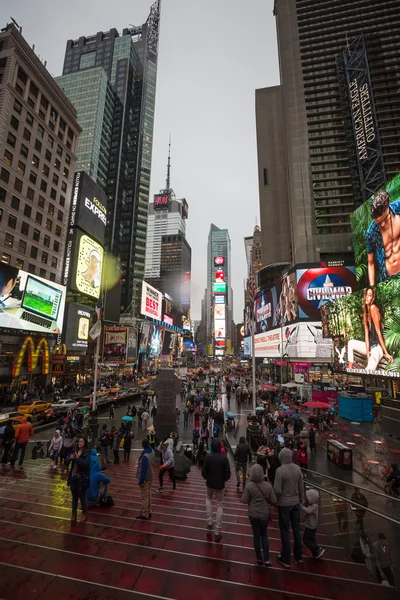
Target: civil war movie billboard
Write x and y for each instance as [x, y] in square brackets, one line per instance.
[375, 229]
[365, 330]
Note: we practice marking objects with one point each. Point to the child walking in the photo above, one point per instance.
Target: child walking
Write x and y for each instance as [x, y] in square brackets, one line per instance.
[311, 509]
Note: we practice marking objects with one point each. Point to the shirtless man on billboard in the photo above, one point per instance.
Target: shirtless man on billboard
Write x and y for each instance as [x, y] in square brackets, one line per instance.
[383, 238]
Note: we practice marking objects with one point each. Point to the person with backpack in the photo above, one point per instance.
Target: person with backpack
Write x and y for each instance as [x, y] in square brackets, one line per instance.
[242, 456]
[216, 471]
[259, 495]
[105, 442]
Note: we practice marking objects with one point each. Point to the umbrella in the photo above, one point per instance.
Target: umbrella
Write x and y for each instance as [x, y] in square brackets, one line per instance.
[260, 408]
[272, 388]
[289, 412]
[317, 404]
[295, 416]
[230, 415]
[284, 407]
[126, 418]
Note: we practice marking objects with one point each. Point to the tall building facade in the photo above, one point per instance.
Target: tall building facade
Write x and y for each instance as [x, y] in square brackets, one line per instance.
[118, 73]
[38, 139]
[175, 271]
[310, 178]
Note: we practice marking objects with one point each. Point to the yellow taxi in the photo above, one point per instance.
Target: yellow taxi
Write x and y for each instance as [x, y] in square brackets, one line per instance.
[34, 408]
[12, 417]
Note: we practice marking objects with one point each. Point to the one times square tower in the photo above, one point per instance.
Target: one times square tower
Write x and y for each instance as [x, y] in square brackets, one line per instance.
[111, 79]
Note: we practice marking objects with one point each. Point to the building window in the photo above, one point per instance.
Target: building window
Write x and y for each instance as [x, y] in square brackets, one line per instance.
[54, 262]
[39, 218]
[66, 172]
[42, 273]
[18, 185]
[43, 185]
[33, 177]
[49, 224]
[31, 268]
[62, 201]
[36, 235]
[55, 178]
[8, 157]
[24, 228]
[63, 186]
[18, 107]
[51, 209]
[38, 146]
[27, 135]
[52, 276]
[34, 252]
[46, 241]
[11, 139]
[58, 230]
[40, 131]
[46, 170]
[5, 175]
[3, 194]
[30, 194]
[22, 76]
[12, 221]
[45, 258]
[60, 215]
[27, 211]
[53, 113]
[56, 246]
[29, 118]
[87, 60]
[1, 214]
[41, 202]
[5, 258]
[57, 164]
[53, 194]
[50, 141]
[44, 102]
[22, 246]
[59, 150]
[19, 263]
[35, 161]
[24, 151]
[48, 155]
[9, 240]
[21, 167]
[68, 159]
[14, 123]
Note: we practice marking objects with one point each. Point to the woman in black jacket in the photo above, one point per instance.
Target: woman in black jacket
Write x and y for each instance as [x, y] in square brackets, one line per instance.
[79, 477]
[8, 440]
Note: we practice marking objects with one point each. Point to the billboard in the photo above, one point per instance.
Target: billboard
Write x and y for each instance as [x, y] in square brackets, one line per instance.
[115, 343]
[219, 261]
[151, 302]
[185, 209]
[83, 264]
[219, 311]
[219, 329]
[375, 229]
[219, 288]
[77, 331]
[219, 299]
[34, 352]
[219, 276]
[364, 329]
[318, 286]
[30, 303]
[161, 201]
[300, 340]
[247, 346]
[131, 351]
[144, 338]
[88, 208]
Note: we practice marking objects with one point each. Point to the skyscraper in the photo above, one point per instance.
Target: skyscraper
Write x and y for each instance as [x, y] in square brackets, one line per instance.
[117, 73]
[309, 173]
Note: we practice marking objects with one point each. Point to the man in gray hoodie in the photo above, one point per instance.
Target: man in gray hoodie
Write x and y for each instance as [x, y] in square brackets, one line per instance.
[289, 491]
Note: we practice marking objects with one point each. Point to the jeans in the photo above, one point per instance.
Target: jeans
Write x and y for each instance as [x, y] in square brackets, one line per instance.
[310, 542]
[260, 537]
[375, 353]
[7, 452]
[242, 466]
[116, 457]
[171, 476]
[290, 516]
[342, 521]
[388, 573]
[78, 493]
[104, 454]
[145, 493]
[14, 457]
[219, 496]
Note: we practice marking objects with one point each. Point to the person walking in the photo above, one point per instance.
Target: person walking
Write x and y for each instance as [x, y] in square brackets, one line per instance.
[23, 433]
[216, 471]
[311, 510]
[185, 418]
[7, 441]
[112, 412]
[359, 498]
[311, 434]
[145, 418]
[69, 442]
[168, 464]
[342, 512]
[79, 477]
[289, 491]
[115, 440]
[195, 438]
[259, 495]
[145, 477]
[302, 456]
[242, 456]
[383, 560]
[55, 448]
[105, 442]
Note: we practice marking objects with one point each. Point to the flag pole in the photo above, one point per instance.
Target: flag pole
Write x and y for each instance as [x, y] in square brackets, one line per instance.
[253, 326]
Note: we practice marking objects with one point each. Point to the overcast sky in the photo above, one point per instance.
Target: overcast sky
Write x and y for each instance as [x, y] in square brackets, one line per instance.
[213, 55]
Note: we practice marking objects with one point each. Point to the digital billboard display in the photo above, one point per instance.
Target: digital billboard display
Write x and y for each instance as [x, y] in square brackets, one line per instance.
[219, 276]
[299, 340]
[151, 302]
[161, 201]
[83, 264]
[30, 303]
[364, 329]
[89, 207]
[219, 329]
[219, 311]
[219, 261]
[219, 288]
[77, 330]
[375, 229]
[219, 299]
[115, 344]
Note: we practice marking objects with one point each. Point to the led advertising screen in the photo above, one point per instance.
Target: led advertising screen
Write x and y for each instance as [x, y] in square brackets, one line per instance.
[77, 330]
[83, 264]
[155, 341]
[30, 303]
[219, 312]
[247, 346]
[219, 329]
[299, 340]
[219, 276]
[144, 338]
[115, 342]
[220, 343]
[375, 229]
[219, 299]
[365, 330]
[131, 351]
[161, 201]
[151, 302]
[185, 209]
[219, 261]
[89, 207]
[219, 288]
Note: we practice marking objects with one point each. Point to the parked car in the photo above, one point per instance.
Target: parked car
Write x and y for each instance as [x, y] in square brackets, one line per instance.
[34, 408]
[65, 404]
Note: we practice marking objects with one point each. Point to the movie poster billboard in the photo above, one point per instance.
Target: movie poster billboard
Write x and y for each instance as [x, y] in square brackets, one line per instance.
[319, 285]
[364, 327]
[299, 340]
[115, 342]
[30, 303]
[375, 229]
[131, 351]
[88, 208]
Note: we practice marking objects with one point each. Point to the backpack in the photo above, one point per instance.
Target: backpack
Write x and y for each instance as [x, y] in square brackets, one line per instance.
[107, 502]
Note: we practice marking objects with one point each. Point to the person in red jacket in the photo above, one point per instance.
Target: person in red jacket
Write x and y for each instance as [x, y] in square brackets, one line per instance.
[22, 434]
[302, 456]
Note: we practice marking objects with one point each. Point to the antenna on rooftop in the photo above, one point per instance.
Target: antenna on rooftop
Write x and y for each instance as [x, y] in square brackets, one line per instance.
[169, 165]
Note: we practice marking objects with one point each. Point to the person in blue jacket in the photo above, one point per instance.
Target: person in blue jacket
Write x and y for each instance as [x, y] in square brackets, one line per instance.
[98, 484]
[145, 477]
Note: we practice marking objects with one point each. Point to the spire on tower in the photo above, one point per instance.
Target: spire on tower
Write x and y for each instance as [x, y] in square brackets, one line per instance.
[169, 165]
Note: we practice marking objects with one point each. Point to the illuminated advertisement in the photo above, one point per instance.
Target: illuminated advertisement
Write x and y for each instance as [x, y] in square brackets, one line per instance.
[219, 312]
[318, 286]
[219, 276]
[168, 320]
[155, 341]
[364, 329]
[84, 262]
[185, 209]
[376, 235]
[220, 343]
[115, 342]
[185, 288]
[161, 201]
[151, 302]
[247, 346]
[77, 330]
[300, 340]
[144, 338]
[131, 351]
[88, 207]
[219, 329]
[34, 352]
[288, 306]
[30, 303]
[219, 288]
[219, 261]
[219, 299]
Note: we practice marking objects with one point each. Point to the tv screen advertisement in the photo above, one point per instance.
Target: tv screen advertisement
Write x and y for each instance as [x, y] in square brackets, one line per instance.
[219, 299]
[219, 288]
[219, 276]
[364, 330]
[219, 312]
[161, 201]
[299, 340]
[115, 343]
[151, 302]
[83, 264]
[30, 303]
[89, 207]
[219, 330]
[219, 261]
[78, 326]
[375, 229]
[131, 351]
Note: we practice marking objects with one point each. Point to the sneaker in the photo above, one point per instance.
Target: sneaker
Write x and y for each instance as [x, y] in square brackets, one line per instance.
[218, 536]
[260, 563]
[299, 561]
[150, 515]
[280, 561]
[268, 563]
[142, 518]
[319, 553]
[160, 490]
[210, 525]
